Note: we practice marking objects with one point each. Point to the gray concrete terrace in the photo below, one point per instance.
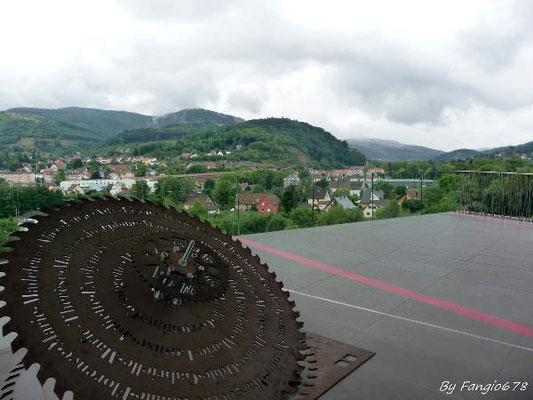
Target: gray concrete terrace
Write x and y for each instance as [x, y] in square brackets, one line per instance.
[482, 265]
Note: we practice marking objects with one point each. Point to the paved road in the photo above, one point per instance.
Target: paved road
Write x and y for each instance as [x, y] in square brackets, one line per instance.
[467, 313]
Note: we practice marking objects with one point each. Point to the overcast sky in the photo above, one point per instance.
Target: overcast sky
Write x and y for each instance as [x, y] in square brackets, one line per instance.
[445, 74]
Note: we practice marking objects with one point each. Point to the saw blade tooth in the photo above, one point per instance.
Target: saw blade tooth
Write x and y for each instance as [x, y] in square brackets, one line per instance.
[20, 353]
[49, 385]
[4, 320]
[10, 337]
[69, 395]
[10, 244]
[2, 303]
[34, 369]
[27, 225]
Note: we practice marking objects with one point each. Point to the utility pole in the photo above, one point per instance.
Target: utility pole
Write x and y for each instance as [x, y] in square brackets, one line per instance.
[421, 192]
[238, 212]
[461, 193]
[372, 197]
[313, 190]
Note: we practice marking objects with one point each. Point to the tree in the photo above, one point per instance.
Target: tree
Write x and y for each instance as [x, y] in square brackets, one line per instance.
[338, 215]
[391, 210]
[140, 189]
[354, 198]
[268, 180]
[97, 175]
[276, 222]
[449, 182]
[322, 184]
[209, 185]
[302, 216]
[18, 200]
[60, 177]
[173, 191]
[341, 192]
[197, 169]
[224, 193]
[399, 190]
[75, 164]
[387, 188]
[413, 205]
[140, 169]
[199, 210]
[93, 166]
[290, 199]
[7, 227]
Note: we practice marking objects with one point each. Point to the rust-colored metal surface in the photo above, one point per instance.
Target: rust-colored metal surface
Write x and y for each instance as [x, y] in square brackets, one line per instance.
[328, 363]
[124, 299]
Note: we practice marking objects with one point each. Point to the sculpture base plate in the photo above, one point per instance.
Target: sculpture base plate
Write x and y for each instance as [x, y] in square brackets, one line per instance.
[331, 362]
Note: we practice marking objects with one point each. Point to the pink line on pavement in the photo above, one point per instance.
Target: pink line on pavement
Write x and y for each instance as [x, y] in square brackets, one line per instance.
[495, 219]
[445, 305]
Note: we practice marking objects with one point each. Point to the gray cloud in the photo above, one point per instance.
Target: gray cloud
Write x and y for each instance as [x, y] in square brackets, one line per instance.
[248, 100]
[349, 67]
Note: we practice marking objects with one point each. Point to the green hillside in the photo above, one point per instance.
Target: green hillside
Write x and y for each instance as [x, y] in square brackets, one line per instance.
[278, 140]
[389, 150]
[101, 122]
[106, 123]
[171, 132]
[459, 154]
[27, 133]
[272, 140]
[509, 151]
[195, 116]
[64, 130]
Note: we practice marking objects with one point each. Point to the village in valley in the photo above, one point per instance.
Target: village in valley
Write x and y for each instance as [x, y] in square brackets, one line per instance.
[213, 187]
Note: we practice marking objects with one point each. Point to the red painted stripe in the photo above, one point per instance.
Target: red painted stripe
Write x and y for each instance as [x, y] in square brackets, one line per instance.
[494, 219]
[445, 305]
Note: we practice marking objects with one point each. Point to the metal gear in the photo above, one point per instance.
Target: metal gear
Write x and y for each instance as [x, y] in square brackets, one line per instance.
[202, 277]
[84, 307]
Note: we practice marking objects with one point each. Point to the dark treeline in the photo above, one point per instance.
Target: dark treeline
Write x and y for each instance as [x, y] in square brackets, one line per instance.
[15, 201]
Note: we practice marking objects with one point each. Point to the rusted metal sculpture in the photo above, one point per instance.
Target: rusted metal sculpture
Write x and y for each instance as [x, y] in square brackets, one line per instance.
[118, 298]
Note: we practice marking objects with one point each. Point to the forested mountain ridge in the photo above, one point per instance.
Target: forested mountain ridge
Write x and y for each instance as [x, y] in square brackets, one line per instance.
[277, 140]
[108, 123]
[389, 150]
[19, 133]
[104, 123]
[195, 116]
[509, 151]
[64, 130]
[459, 154]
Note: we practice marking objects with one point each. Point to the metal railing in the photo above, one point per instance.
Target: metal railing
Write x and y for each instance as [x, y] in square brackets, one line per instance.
[505, 194]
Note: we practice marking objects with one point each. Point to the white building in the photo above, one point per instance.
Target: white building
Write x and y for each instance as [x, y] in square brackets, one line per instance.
[115, 186]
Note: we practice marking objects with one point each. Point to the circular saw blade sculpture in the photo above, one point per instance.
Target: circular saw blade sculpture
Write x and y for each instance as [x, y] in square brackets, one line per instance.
[124, 299]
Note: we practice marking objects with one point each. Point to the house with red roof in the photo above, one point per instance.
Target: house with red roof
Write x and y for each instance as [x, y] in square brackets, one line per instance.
[265, 203]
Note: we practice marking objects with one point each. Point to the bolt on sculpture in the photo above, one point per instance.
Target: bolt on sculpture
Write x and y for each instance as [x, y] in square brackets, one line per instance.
[119, 298]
